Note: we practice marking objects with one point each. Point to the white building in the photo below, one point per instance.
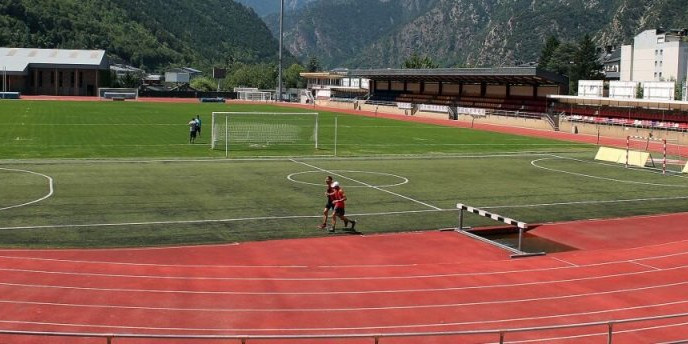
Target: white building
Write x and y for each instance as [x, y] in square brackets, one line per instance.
[336, 83]
[656, 55]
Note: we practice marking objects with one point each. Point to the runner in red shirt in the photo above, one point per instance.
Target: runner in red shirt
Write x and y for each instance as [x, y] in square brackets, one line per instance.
[339, 208]
[329, 205]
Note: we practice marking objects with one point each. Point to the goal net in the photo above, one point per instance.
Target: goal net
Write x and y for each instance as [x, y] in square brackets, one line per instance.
[118, 93]
[662, 154]
[254, 131]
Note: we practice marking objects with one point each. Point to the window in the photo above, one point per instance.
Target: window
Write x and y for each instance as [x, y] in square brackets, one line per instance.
[52, 78]
[660, 74]
[655, 63]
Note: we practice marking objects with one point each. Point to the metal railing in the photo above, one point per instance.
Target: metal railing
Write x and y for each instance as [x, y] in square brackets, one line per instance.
[613, 124]
[499, 335]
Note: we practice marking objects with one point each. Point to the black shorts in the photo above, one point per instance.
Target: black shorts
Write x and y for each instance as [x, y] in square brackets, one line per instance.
[329, 205]
[192, 133]
[339, 211]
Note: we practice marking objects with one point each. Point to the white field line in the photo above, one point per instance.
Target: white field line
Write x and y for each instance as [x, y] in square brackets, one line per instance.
[308, 293]
[117, 224]
[534, 163]
[261, 218]
[276, 158]
[645, 169]
[626, 291]
[368, 185]
[51, 188]
[587, 202]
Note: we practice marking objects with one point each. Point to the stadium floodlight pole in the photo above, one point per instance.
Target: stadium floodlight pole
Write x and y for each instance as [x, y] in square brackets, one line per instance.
[281, 37]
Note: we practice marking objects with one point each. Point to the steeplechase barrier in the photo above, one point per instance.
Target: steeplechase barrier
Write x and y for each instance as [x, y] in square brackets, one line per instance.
[522, 227]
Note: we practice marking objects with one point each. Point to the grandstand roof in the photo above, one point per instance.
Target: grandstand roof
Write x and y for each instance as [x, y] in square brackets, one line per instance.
[512, 75]
[17, 60]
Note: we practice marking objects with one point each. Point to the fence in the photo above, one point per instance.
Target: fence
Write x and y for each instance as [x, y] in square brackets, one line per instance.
[187, 94]
[500, 335]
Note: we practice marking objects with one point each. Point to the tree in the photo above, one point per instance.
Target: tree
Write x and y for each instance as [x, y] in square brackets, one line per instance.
[204, 84]
[587, 64]
[313, 65]
[548, 50]
[562, 59]
[262, 76]
[292, 76]
[417, 62]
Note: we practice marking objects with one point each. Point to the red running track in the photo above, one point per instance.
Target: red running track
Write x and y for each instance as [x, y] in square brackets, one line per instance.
[414, 282]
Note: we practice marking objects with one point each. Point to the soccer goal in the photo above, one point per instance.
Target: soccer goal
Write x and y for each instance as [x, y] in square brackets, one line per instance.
[252, 94]
[661, 154]
[266, 131]
[118, 93]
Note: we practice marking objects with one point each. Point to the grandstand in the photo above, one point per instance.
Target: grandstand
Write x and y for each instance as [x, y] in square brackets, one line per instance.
[523, 89]
[641, 114]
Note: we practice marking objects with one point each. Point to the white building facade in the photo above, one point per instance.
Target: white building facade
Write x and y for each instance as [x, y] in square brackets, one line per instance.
[656, 55]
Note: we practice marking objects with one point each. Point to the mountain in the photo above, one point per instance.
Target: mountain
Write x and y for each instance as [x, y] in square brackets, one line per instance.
[267, 7]
[152, 34]
[335, 31]
[383, 33]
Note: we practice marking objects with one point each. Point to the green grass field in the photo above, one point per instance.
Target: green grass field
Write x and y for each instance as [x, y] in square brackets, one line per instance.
[124, 175]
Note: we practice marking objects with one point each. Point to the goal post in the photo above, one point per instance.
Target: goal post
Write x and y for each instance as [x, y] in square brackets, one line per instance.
[118, 93]
[662, 153]
[266, 131]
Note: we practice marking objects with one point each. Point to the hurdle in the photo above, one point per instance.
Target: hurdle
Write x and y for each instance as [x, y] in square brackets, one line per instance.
[522, 227]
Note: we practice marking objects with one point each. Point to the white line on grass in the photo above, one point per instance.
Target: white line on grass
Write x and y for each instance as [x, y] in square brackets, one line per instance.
[368, 185]
[403, 179]
[262, 218]
[534, 163]
[51, 188]
[272, 158]
[587, 202]
[647, 169]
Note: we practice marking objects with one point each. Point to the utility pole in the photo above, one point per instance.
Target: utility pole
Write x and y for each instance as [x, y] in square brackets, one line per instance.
[281, 37]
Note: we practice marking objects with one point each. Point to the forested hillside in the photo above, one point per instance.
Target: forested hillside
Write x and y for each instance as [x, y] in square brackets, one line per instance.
[383, 33]
[152, 34]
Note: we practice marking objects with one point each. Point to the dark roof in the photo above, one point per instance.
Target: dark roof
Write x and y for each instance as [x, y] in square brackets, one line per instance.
[514, 75]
